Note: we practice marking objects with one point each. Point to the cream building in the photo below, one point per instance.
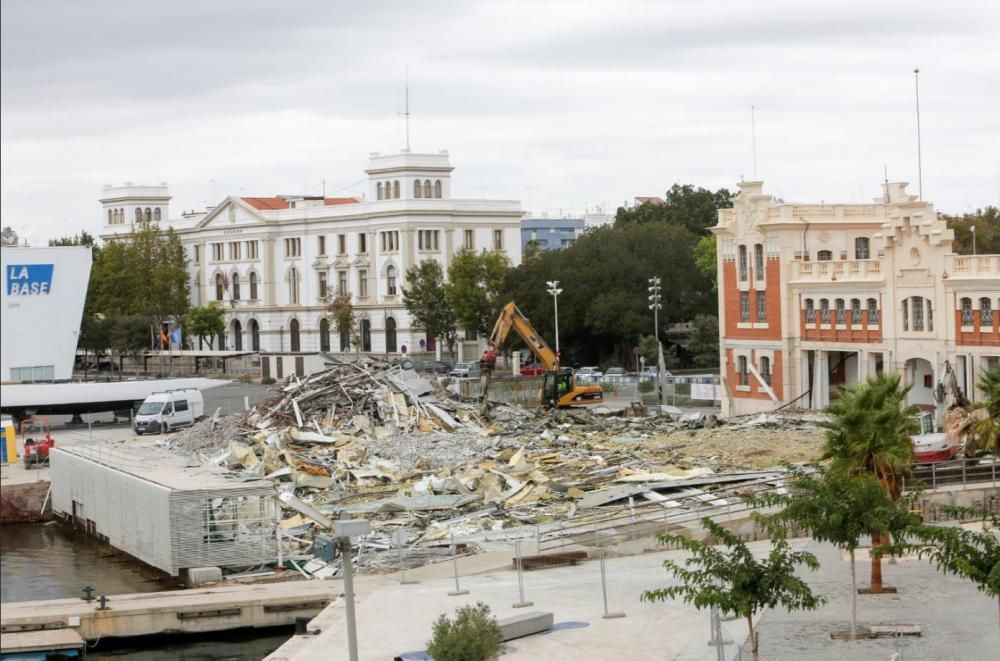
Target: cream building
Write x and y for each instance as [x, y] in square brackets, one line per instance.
[271, 261]
[814, 296]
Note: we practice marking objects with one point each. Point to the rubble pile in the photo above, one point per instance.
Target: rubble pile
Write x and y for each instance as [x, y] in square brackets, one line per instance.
[372, 440]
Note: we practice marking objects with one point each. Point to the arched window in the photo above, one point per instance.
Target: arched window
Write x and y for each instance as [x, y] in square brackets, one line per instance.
[758, 261]
[254, 335]
[365, 326]
[121, 215]
[111, 217]
[390, 335]
[765, 369]
[861, 245]
[236, 286]
[378, 190]
[917, 304]
[293, 286]
[437, 188]
[324, 334]
[253, 286]
[237, 335]
[395, 189]
[741, 369]
[855, 310]
[427, 188]
[824, 256]
[416, 188]
[742, 262]
[138, 215]
[293, 335]
[841, 311]
[390, 278]
[872, 311]
[219, 287]
[985, 312]
[810, 311]
[966, 304]
[824, 311]
[149, 215]
[156, 214]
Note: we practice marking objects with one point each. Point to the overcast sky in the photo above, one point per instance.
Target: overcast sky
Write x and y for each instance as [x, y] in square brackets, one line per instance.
[559, 105]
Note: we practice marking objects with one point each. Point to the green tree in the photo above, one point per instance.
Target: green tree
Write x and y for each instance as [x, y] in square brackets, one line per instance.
[686, 206]
[984, 429]
[131, 335]
[532, 249]
[987, 224]
[207, 321]
[475, 283]
[733, 580]
[703, 344]
[426, 300]
[95, 336]
[836, 508]
[705, 259]
[868, 433]
[473, 635]
[84, 238]
[341, 310]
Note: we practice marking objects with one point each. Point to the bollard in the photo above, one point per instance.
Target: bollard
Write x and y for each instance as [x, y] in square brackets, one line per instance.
[103, 601]
[458, 591]
[520, 578]
[604, 592]
[302, 624]
[88, 593]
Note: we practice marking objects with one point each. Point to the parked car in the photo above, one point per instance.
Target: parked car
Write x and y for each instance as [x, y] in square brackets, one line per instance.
[590, 373]
[434, 367]
[108, 366]
[615, 375]
[468, 370]
[533, 369]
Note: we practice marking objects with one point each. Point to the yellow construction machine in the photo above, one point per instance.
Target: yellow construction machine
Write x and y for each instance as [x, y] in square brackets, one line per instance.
[559, 386]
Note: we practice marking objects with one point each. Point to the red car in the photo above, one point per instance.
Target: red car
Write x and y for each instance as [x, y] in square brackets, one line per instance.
[532, 369]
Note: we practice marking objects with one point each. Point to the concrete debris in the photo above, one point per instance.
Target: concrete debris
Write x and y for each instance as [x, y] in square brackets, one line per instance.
[370, 439]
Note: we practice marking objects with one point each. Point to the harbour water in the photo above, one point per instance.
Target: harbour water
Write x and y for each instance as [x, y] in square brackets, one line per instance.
[48, 561]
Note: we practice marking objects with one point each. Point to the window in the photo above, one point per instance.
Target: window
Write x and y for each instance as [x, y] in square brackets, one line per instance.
[471, 335]
[758, 261]
[341, 282]
[861, 245]
[234, 250]
[293, 334]
[362, 283]
[985, 312]
[252, 250]
[498, 239]
[469, 242]
[324, 334]
[855, 310]
[417, 190]
[293, 247]
[427, 239]
[293, 286]
[236, 286]
[341, 244]
[253, 286]
[362, 243]
[111, 217]
[378, 191]
[427, 188]
[742, 263]
[138, 215]
[345, 340]
[744, 306]
[149, 215]
[156, 217]
[196, 254]
[761, 306]
[395, 189]
[365, 328]
[765, 369]
[216, 252]
[810, 311]
[841, 311]
[966, 304]
[906, 314]
[390, 335]
[390, 241]
[390, 277]
[437, 188]
[322, 284]
[321, 245]
[918, 313]
[741, 369]
[824, 256]
[254, 335]
[237, 335]
[872, 311]
[219, 287]
[824, 311]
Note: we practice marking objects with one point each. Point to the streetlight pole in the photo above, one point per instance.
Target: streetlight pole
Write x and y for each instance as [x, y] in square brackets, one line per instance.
[553, 288]
[654, 305]
[973, 239]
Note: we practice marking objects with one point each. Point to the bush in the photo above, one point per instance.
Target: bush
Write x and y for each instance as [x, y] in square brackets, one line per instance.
[246, 378]
[474, 635]
[647, 385]
[267, 380]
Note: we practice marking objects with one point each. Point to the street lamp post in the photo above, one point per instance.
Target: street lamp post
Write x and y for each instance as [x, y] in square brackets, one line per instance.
[973, 228]
[555, 291]
[654, 305]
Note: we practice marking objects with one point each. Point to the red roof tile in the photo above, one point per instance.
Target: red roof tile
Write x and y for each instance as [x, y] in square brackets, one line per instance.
[271, 203]
[331, 201]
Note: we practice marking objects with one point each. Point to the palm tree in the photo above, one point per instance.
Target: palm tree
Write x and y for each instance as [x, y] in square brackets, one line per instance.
[868, 433]
[986, 428]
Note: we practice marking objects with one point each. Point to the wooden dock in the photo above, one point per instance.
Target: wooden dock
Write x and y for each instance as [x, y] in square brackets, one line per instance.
[179, 611]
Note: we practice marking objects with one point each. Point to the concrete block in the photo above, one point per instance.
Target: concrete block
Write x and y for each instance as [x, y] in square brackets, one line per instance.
[197, 576]
[525, 624]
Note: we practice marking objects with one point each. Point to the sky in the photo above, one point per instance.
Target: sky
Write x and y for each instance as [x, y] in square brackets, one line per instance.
[561, 105]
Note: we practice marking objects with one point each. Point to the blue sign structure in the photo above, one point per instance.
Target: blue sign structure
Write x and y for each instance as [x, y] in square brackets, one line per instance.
[29, 279]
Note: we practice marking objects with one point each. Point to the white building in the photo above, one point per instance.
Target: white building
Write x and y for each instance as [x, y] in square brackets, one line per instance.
[272, 260]
[43, 295]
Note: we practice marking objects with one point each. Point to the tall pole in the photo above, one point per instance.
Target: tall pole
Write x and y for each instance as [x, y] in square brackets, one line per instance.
[920, 171]
[553, 289]
[352, 634]
[973, 239]
[654, 305]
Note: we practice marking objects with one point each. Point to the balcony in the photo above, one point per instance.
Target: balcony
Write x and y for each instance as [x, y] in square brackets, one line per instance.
[851, 270]
[972, 266]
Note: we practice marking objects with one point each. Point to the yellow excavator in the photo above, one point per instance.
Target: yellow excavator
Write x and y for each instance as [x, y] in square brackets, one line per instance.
[559, 386]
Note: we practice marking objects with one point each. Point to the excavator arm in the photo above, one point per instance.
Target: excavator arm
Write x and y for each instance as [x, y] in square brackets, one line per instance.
[511, 318]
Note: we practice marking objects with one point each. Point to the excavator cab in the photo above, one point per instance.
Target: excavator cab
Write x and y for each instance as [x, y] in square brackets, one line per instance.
[554, 386]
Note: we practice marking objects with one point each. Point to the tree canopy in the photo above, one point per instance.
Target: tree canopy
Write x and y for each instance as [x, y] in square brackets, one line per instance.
[425, 298]
[474, 288]
[987, 224]
[207, 321]
[695, 209]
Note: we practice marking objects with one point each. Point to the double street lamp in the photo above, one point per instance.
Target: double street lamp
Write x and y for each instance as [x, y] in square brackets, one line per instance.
[553, 288]
[654, 305]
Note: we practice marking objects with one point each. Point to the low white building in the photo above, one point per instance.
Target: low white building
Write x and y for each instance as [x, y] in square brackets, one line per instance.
[271, 261]
[43, 295]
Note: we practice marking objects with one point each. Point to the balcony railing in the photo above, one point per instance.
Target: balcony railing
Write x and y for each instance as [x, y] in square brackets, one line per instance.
[958, 266]
[857, 269]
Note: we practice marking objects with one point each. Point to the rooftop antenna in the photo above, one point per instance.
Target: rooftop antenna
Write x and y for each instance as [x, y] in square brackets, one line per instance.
[406, 106]
[753, 129]
[920, 172]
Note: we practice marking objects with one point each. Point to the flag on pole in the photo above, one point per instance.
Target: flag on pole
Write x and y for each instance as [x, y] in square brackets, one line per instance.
[176, 337]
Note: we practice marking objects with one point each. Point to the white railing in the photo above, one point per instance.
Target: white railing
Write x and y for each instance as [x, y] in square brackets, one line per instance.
[857, 269]
[963, 265]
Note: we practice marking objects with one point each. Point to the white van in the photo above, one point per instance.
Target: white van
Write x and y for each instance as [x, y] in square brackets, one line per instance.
[163, 411]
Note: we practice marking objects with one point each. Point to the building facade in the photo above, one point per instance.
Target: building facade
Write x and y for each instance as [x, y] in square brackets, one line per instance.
[815, 296]
[272, 261]
[550, 233]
